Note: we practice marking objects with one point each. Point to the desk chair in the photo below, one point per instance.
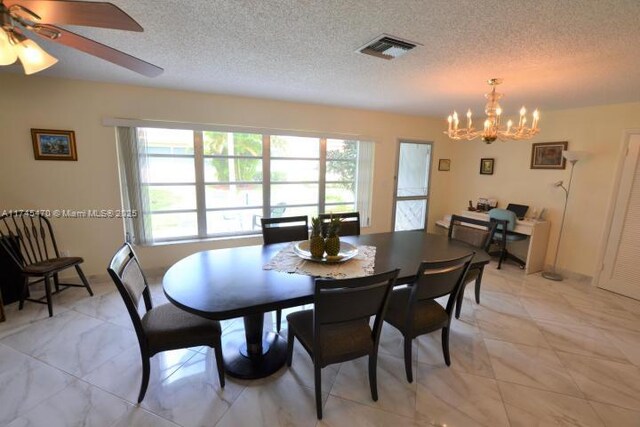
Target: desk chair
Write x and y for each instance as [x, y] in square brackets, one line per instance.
[502, 236]
[414, 311]
[284, 229]
[337, 329]
[476, 233]
[350, 223]
[164, 327]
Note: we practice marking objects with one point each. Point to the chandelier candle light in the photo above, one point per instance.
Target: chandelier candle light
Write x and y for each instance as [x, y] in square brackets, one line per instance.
[493, 128]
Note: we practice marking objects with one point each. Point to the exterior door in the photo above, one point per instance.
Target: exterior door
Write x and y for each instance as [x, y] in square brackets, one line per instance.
[621, 271]
[411, 201]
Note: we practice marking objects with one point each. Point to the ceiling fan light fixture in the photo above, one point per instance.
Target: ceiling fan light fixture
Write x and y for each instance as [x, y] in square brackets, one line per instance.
[8, 53]
[33, 57]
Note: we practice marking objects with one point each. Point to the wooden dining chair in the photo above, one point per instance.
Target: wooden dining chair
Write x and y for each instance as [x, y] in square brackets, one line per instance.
[350, 222]
[475, 233]
[162, 328]
[414, 311]
[284, 229]
[338, 328]
[31, 244]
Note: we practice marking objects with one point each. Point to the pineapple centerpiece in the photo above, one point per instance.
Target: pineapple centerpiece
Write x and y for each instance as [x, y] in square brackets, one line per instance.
[332, 242]
[316, 242]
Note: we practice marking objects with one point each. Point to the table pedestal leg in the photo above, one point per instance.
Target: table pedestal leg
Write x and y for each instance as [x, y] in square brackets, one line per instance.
[254, 354]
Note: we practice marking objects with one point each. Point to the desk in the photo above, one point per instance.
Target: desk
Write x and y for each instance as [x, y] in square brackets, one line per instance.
[538, 232]
[227, 283]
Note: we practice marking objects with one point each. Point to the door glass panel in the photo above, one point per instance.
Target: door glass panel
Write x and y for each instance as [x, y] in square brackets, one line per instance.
[410, 214]
[413, 169]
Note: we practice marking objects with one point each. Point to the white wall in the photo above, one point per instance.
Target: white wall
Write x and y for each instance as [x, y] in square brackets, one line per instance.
[598, 130]
[92, 181]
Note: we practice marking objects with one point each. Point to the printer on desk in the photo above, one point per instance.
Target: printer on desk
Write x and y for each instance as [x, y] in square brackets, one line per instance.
[483, 205]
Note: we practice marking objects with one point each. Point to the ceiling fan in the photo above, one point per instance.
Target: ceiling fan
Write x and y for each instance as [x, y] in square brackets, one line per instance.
[20, 19]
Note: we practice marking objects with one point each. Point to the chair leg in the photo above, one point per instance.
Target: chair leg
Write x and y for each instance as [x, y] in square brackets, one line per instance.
[407, 359]
[23, 293]
[146, 368]
[56, 282]
[85, 282]
[219, 362]
[459, 300]
[290, 342]
[478, 283]
[445, 345]
[318, 384]
[373, 375]
[278, 320]
[47, 289]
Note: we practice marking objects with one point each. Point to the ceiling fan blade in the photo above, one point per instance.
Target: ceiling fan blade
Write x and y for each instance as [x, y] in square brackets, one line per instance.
[85, 13]
[92, 47]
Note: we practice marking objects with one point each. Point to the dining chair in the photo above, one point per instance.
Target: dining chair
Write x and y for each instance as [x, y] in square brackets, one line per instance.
[164, 327]
[284, 229]
[475, 233]
[29, 240]
[504, 235]
[338, 327]
[350, 222]
[414, 311]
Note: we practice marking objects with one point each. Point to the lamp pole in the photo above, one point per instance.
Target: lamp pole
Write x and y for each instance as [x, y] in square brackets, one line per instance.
[553, 274]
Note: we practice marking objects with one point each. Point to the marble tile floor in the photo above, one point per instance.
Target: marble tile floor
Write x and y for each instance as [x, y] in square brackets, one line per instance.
[534, 352]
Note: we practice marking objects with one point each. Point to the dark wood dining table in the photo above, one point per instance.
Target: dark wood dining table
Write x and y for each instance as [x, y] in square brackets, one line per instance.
[229, 283]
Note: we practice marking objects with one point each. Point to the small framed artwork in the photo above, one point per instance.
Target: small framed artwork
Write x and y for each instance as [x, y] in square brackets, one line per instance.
[548, 155]
[54, 144]
[444, 165]
[486, 166]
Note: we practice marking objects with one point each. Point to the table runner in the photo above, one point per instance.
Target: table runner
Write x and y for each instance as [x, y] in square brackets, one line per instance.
[288, 262]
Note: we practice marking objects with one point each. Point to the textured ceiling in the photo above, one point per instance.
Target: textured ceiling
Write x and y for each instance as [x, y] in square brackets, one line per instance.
[551, 54]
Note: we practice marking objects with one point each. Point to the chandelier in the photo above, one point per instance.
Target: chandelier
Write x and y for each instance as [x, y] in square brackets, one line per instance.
[493, 127]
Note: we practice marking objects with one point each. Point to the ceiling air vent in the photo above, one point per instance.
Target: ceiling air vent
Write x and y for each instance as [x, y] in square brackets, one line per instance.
[387, 47]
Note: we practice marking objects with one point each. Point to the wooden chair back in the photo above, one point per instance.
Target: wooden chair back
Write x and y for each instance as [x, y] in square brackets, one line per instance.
[338, 302]
[28, 238]
[350, 223]
[474, 232]
[285, 229]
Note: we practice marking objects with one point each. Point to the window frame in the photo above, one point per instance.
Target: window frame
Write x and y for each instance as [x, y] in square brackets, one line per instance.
[200, 183]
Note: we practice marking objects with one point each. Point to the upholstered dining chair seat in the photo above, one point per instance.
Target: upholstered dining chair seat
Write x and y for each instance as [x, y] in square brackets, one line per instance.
[167, 327]
[347, 340]
[52, 265]
[428, 316]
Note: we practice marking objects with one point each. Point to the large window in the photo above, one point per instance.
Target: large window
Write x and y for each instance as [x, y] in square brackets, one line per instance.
[198, 184]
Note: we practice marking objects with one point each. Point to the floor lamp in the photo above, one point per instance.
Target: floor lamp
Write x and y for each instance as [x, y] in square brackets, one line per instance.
[573, 157]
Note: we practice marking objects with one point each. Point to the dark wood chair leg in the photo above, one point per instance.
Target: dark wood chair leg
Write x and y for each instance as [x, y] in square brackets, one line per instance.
[146, 368]
[85, 282]
[318, 384]
[445, 345]
[56, 282]
[373, 375]
[407, 359]
[478, 283]
[278, 320]
[47, 289]
[459, 300]
[219, 362]
[290, 342]
[23, 293]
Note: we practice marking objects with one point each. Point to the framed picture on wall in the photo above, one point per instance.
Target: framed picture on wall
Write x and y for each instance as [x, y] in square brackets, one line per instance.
[486, 166]
[548, 155]
[51, 144]
[444, 165]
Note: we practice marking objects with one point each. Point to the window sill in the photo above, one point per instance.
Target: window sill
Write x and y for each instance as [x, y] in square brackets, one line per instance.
[202, 240]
